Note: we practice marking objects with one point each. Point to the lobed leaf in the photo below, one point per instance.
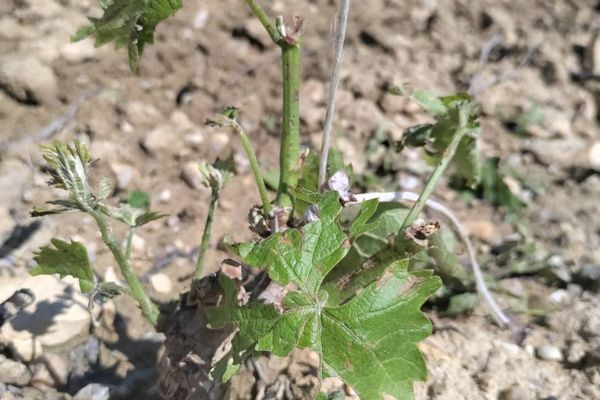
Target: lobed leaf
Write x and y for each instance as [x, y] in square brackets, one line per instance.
[369, 341]
[65, 259]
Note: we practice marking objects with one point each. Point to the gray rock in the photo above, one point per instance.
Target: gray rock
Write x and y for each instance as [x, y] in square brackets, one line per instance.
[13, 372]
[27, 79]
[58, 316]
[93, 391]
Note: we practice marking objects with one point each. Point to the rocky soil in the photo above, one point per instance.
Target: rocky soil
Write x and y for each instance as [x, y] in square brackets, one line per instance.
[147, 132]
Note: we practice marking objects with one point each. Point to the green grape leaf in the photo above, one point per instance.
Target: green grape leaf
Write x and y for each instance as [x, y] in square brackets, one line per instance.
[361, 224]
[65, 259]
[128, 23]
[139, 199]
[370, 341]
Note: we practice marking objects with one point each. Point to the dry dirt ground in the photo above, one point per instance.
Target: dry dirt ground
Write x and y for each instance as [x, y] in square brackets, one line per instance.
[147, 132]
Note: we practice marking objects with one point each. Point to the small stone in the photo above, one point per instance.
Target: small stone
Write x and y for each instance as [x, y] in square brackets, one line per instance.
[143, 114]
[181, 122]
[161, 283]
[13, 372]
[594, 155]
[575, 352]
[27, 79]
[192, 176]
[218, 142]
[138, 243]
[124, 174]
[78, 52]
[111, 276]
[482, 229]
[200, 19]
[28, 196]
[513, 393]
[559, 297]
[25, 347]
[242, 165]
[194, 139]
[164, 196]
[549, 353]
[56, 365]
[93, 391]
[162, 139]
[58, 316]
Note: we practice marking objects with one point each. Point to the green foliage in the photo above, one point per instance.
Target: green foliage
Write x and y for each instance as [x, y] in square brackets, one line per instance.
[69, 167]
[65, 259]
[354, 339]
[435, 138]
[217, 175]
[139, 199]
[128, 23]
[492, 186]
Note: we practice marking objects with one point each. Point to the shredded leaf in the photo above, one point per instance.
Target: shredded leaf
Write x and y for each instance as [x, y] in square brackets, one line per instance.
[128, 23]
[436, 137]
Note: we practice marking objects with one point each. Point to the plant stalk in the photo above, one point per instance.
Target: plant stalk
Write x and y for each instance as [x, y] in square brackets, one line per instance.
[437, 173]
[149, 309]
[130, 236]
[289, 154]
[206, 236]
[289, 150]
[258, 177]
[265, 20]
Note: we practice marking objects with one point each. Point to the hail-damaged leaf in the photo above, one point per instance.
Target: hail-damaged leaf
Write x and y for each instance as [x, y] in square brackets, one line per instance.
[128, 23]
[104, 189]
[435, 138]
[65, 259]
[370, 341]
[69, 167]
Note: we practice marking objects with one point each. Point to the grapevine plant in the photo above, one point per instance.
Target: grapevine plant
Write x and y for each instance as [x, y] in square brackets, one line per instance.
[336, 272]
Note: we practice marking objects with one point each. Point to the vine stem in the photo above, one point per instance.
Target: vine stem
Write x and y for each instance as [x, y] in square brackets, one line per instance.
[258, 176]
[289, 150]
[499, 316]
[149, 309]
[265, 20]
[333, 86]
[439, 170]
[289, 154]
[206, 235]
[130, 236]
